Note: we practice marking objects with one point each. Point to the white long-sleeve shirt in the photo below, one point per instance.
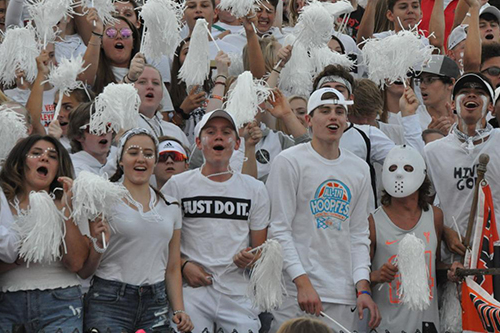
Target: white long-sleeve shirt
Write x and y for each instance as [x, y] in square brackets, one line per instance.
[319, 211]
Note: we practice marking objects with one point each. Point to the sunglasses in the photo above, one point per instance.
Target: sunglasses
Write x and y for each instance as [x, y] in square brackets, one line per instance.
[427, 80]
[174, 155]
[113, 32]
[493, 71]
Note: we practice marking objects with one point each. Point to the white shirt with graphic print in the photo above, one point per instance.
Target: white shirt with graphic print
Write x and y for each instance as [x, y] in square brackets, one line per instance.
[217, 220]
[319, 214]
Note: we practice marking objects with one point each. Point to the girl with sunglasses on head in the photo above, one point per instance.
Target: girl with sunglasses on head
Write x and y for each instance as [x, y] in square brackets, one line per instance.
[141, 264]
[40, 297]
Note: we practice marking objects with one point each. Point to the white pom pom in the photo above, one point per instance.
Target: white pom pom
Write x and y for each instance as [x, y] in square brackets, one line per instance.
[266, 286]
[324, 56]
[297, 76]
[363, 3]
[414, 273]
[18, 52]
[392, 57]
[245, 97]
[315, 24]
[64, 77]
[105, 10]
[236, 67]
[338, 8]
[117, 106]
[41, 230]
[450, 313]
[196, 66]
[239, 8]
[12, 129]
[94, 195]
[160, 16]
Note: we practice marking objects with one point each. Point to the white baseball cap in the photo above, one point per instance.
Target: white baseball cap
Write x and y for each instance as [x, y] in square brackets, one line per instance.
[457, 35]
[315, 100]
[171, 145]
[214, 114]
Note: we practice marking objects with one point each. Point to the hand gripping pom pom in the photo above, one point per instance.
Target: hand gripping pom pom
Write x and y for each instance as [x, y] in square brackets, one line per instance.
[64, 78]
[41, 230]
[390, 59]
[12, 129]
[18, 52]
[414, 273]
[105, 10]
[94, 195]
[266, 286]
[239, 8]
[116, 107]
[196, 66]
[244, 99]
[160, 16]
[297, 76]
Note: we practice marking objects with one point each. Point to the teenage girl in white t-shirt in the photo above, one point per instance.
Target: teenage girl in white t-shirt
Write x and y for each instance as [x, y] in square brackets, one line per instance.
[141, 264]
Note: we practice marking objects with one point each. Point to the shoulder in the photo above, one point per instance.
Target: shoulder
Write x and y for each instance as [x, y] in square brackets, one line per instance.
[438, 144]
[185, 176]
[353, 161]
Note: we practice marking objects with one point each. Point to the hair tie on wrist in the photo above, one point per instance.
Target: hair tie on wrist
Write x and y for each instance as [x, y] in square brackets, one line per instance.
[96, 34]
[364, 292]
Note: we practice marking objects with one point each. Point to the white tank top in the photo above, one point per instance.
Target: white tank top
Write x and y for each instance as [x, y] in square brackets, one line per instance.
[396, 317]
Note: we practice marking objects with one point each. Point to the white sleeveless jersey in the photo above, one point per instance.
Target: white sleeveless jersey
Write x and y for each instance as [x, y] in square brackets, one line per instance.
[397, 317]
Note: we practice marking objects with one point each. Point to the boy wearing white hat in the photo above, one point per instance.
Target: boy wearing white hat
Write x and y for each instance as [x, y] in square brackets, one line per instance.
[319, 208]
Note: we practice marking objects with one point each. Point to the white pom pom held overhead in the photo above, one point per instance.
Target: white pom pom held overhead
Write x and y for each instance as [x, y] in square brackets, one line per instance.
[314, 26]
[414, 273]
[266, 287]
[196, 66]
[105, 10]
[117, 108]
[41, 230]
[244, 98]
[64, 78]
[18, 52]
[297, 76]
[12, 129]
[239, 8]
[160, 16]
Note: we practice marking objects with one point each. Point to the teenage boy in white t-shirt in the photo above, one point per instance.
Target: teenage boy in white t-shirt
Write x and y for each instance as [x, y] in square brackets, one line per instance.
[320, 198]
[225, 213]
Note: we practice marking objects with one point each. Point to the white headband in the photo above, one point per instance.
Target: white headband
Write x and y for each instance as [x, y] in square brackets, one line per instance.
[337, 79]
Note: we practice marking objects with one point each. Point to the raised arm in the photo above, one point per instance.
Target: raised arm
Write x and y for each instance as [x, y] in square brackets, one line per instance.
[367, 24]
[34, 104]
[91, 56]
[472, 52]
[436, 26]
[257, 64]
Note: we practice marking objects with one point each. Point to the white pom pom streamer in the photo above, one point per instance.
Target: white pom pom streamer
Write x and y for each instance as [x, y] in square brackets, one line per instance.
[266, 287]
[392, 57]
[196, 66]
[363, 3]
[239, 8]
[236, 67]
[12, 129]
[116, 107]
[338, 8]
[47, 14]
[297, 76]
[18, 52]
[414, 273]
[314, 26]
[159, 17]
[245, 97]
[105, 10]
[450, 312]
[324, 56]
[64, 78]
[41, 230]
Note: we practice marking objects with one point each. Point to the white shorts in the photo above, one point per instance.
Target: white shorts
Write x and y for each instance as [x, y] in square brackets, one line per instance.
[214, 312]
[346, 315]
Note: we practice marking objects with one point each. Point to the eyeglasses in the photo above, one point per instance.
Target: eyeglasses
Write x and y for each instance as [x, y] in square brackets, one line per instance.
[427, 80]
[174, 155]
[493, 71]
[113, 32]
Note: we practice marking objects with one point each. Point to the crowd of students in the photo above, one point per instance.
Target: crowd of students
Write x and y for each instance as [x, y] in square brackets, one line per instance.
[338, 176]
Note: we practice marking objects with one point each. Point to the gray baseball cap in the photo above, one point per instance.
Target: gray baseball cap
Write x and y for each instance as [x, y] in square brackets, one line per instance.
[443, 66]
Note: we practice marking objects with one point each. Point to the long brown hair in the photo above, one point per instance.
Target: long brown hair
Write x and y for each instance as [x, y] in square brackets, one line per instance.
[105, 74]
[13, 174]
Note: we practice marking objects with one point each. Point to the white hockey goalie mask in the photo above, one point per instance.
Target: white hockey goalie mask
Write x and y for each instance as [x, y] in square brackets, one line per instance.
[403, 172]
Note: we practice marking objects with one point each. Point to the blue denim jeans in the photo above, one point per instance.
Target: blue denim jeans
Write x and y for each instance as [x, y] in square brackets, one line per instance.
[112, 306]
[54, 310]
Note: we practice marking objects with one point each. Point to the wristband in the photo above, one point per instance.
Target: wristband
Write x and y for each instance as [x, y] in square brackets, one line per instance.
[220, 75]
[277, 71]
[364, 292]
[221, 83]
[178, 311]
[220, 98]
[130, 80]
[96, 34]
[182, 270]
[183, 114]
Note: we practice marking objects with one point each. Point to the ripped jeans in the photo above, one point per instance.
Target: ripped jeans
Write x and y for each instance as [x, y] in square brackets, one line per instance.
[37, 311]
[112, 306]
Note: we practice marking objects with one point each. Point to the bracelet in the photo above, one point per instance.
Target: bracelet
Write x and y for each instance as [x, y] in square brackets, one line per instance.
[220, 98]
[277, 71]
[96, 247]
[220, 75]
[221, 83]
[129, 80]
[182, 267]
[178, 311]
[183, 114]
[364, 292]
[96, 34]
